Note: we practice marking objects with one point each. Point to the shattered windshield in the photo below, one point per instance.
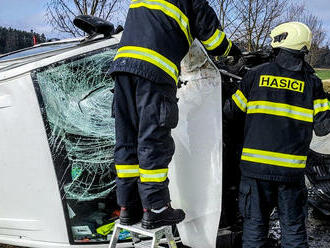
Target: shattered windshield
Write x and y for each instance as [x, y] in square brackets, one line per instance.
[76, 105]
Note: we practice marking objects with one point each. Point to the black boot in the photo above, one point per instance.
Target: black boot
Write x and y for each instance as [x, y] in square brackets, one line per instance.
[130, 216]
[167, 217]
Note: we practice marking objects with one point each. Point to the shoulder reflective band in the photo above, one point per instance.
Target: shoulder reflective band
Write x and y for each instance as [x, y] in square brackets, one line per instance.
[281, 83]
[274, 158]
[280, 109]
[240, 100]
[150, 56]
[230, 44]
[321, 105]
[168, 9]
[158, 176]
[214, 41]
[124, 171]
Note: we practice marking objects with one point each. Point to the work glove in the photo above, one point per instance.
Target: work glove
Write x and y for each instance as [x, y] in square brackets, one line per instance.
[237, 67]
[236, 53]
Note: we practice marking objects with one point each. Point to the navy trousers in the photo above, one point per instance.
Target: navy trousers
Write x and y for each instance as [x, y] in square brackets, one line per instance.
[145, 112]
[257, 199]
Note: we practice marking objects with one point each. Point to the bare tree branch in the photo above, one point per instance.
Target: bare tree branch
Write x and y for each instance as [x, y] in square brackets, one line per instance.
[60, 13]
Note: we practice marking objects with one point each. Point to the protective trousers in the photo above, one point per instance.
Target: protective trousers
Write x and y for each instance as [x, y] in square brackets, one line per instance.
[257, 199]
[145, 112]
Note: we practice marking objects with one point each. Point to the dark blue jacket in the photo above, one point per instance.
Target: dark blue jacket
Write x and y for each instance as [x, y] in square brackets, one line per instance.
[158, 34]
[282, 101]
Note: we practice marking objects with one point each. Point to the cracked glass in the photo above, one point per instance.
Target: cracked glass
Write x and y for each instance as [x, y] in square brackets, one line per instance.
[76, 98]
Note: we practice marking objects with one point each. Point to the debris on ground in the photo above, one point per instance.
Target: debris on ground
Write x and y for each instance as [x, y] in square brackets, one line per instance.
[318, 228]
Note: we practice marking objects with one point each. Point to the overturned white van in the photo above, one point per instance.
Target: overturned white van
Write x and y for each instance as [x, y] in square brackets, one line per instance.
[57, 139]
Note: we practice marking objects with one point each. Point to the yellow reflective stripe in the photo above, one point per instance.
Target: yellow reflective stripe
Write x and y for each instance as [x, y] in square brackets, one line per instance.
[159, 175]
[230, 44]
[280, 109]
[274, 158]
[124, 171]
[150, 56]
[168, 9]
[321, 105]
[240, 100]
[215, 40]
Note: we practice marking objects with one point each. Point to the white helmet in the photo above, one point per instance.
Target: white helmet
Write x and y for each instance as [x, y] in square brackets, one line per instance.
[292, 35]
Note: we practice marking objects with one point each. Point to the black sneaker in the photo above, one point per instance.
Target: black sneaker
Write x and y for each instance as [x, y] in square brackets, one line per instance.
[167, 217]
[130, 216]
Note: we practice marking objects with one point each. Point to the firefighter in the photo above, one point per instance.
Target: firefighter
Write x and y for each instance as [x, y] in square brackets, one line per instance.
[157, 35]
[282, 102]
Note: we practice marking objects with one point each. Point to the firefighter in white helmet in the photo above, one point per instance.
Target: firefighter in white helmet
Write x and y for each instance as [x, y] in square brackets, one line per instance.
[282, 102]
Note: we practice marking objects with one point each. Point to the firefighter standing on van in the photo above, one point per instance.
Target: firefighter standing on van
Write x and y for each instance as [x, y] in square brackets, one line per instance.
[157, 35]
[282, 102]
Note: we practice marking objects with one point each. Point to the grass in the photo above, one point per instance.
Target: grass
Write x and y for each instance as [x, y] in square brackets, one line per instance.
[324, 74]
[327, 85]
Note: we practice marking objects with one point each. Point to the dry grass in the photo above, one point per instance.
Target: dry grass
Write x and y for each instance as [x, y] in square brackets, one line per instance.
[326, 85]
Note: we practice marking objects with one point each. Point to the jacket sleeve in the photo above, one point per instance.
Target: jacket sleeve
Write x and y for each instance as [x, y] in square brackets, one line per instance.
[207, 29]
[236, 107]
[321, 109]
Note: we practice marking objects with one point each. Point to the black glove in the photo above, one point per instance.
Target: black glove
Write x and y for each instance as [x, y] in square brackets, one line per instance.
[237, 68]
[235, 52]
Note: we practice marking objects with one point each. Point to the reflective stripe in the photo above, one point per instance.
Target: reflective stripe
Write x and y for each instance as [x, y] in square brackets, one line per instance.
[274, 158]
[124, 171]
[168, 9]
[214, 41]
[321, 105]
[159, 175]
[280, 109]
[230, 44]
[240, 100]
[150, 56]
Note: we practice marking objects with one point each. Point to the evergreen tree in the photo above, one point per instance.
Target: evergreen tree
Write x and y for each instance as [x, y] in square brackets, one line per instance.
[12, 39]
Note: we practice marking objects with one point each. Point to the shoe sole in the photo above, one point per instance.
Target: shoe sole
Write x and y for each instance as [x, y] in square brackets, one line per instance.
[159, 223]
[128, 221]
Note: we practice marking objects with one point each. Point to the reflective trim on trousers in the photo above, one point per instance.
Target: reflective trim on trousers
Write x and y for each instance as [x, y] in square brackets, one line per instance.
[159, 175]
[125, 171]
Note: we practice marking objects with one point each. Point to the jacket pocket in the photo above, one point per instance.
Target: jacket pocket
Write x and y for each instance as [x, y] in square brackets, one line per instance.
[169, 113]
[245, 199]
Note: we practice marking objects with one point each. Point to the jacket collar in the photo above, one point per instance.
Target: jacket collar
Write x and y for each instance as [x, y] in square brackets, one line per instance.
[290, 61]
[293, 61]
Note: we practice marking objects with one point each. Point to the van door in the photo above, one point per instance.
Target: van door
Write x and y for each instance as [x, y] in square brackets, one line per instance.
[75, 98]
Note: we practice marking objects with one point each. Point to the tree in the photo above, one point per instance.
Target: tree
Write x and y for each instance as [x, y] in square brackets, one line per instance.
[60, 13]
[227, 15]
[12, 39]
[249, 21]
[256, 19]
[298, 12]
